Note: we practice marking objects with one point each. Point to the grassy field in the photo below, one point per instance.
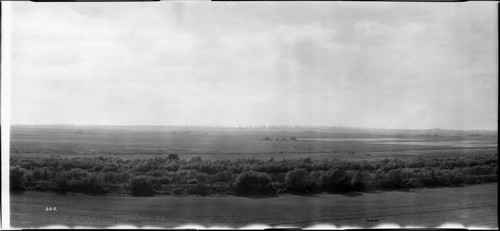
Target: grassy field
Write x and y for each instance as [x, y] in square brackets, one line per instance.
[233, 143]
[470, 206]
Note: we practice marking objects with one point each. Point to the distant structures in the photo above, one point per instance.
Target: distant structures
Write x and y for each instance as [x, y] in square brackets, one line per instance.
[293, 138]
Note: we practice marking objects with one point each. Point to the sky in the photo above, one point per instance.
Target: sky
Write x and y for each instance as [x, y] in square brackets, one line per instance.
[357, 64]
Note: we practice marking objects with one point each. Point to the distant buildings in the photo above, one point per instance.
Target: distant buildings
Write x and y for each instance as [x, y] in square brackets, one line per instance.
[293, 138]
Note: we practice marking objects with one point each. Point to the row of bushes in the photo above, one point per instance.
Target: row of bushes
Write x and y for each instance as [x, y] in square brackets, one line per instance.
[172, 164]
[145, 177]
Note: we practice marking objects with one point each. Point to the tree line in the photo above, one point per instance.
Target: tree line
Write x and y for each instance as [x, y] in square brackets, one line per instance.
[245, 177]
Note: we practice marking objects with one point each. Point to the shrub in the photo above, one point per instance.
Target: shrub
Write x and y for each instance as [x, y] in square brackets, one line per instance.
[165, 180]
[144, 167]
[141, 186]
[201, 177]
[221, 187]
[173, 166]
[198, 189]
[253, 183]
[358, 181]
[44, 186]
[173, 156]
[450, 179]
[178, 190]
[223, 176]
[393, 164]
[92, 184]
[430, 182]
[37, 174]
[336, 180]
[61, 182]
[298, 181]
[181, 176]
[393, 180]
[17, 179]
[244, 176]
[414, 183]
[195, 159]
[481, 179]
[208, 168]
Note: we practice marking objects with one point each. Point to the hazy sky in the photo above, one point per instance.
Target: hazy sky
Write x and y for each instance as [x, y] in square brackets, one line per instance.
[381, 65]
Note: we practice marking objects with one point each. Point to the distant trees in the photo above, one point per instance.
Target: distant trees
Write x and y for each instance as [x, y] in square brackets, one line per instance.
[293, 138]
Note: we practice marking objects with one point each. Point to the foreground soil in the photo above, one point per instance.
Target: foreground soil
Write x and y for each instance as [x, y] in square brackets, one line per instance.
[470, 206]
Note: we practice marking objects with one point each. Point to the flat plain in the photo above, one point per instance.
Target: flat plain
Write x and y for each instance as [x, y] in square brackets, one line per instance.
[234, 143]
[424, 207]
[469, 206]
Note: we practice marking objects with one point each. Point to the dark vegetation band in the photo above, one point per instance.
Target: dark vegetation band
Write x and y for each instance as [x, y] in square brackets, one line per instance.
[245, 177]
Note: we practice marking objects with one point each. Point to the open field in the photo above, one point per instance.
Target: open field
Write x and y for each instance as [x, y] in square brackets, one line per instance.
[267, 164]
[470, 206]
[233, 143]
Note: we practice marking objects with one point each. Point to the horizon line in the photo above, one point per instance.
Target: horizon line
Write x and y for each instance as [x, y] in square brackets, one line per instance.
[256, 126]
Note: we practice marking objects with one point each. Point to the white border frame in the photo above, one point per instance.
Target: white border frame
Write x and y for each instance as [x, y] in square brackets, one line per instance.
[5, 111]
